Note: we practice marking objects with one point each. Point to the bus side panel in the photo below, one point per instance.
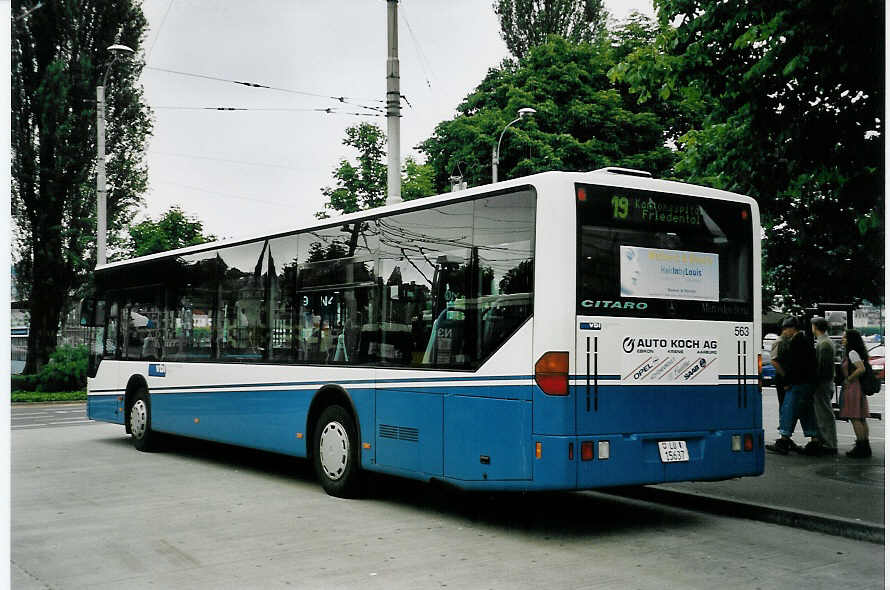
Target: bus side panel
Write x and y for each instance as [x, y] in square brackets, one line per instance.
[487, 439]
[102, 394]
[261, 419]
[408, 430]
[106, 408]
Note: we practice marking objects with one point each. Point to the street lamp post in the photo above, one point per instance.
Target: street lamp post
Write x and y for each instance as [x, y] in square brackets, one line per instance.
[101, 187]
[496, 151]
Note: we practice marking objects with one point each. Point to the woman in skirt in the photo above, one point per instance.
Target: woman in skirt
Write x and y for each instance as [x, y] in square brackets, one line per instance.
[854, 403]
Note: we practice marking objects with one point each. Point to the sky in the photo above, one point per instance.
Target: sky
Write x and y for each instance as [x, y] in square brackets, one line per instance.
[248, 172]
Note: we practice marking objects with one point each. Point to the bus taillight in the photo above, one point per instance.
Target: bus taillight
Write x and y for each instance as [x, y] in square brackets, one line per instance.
[552, 373]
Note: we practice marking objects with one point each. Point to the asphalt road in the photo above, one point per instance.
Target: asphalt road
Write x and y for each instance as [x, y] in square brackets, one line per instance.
[49, 415]
[90, 511]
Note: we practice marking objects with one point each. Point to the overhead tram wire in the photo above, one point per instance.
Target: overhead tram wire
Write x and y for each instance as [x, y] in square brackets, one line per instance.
[422, 57]
[225, 195]
[160, 28]
[340, 99]
[327, 111]
[225, 160]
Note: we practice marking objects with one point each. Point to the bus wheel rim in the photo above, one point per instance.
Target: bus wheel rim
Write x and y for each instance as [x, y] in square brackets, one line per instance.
[138, 418]
[333, 450]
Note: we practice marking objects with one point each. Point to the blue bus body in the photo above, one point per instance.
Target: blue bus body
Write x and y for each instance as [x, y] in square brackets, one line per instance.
[633, 379]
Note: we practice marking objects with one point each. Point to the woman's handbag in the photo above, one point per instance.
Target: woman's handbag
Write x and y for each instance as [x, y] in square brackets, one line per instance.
[869, 382]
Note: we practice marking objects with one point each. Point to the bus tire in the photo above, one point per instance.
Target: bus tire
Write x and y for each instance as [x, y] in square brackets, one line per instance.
[335, 452]
[139, 420]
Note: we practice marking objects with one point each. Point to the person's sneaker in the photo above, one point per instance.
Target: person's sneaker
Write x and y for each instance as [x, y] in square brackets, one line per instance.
[781, 446]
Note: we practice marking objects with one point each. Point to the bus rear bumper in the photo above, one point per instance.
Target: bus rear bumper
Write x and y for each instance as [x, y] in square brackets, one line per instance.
[635, 459]
[632, 460]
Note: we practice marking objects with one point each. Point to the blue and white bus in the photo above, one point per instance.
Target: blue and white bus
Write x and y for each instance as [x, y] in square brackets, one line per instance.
[555, 332]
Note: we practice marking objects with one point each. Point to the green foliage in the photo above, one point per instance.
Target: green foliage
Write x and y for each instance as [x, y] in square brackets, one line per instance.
[25, 382]
[65, 371]
[418, 180]
[51, 396]
[583, 120]
[58, 58]
[174, 229]
[363, 185]
[528, 23]
[792, 98]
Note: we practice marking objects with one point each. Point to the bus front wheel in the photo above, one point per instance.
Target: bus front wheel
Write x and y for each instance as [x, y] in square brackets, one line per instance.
[335, 452]
[139, 419]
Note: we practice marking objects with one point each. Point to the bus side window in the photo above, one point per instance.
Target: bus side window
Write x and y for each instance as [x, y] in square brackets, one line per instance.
[111, 333]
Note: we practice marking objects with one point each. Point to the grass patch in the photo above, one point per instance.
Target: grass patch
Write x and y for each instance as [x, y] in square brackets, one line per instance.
[49, 396]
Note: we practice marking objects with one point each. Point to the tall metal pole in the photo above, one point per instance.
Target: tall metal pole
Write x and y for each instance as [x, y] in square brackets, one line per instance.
[101, 188]
[496, 150]
[393, 106]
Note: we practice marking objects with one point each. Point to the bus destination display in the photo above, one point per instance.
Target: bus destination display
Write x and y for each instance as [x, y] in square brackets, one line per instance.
[646, 209]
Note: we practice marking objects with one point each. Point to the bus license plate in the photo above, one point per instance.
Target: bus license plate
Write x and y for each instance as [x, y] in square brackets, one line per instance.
[673, 451]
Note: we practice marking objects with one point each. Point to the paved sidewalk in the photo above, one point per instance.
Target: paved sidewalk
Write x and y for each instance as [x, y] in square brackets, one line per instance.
[831, 486]
[836, 495]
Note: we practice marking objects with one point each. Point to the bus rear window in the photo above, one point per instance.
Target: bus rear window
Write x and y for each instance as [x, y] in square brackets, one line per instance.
[650, 254]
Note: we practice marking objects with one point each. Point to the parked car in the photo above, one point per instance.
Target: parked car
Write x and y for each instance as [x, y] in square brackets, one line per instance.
[767, 371]
[876, 360]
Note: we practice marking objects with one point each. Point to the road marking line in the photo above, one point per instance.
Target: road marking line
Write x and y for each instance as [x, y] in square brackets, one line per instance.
[73, 422]
[53, 418]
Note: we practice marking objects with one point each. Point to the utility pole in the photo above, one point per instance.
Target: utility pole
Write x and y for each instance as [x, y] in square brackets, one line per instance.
[101, 187]
[393, 106]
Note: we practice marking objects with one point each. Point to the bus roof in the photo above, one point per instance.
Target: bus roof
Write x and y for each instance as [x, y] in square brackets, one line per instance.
[611, 176]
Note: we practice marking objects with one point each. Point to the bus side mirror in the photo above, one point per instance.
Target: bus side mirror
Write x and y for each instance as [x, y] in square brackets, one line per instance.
[92, 312]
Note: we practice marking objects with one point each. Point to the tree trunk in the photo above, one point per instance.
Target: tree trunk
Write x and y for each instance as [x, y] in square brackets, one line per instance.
[45, 312]
[48, 296]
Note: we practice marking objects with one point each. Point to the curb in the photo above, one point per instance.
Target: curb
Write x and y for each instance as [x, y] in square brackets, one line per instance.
[802, 519]
[72, 402]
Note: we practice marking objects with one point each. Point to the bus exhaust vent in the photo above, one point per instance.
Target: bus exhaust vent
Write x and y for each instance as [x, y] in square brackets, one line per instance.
[399, 433]
[625, 171]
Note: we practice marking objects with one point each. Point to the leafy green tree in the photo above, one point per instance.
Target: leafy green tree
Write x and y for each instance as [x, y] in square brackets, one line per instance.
[794, 98]
[583, 120]
[528, 23]
[59, 56]
[418, 180]
[174, 229]
[362, 185]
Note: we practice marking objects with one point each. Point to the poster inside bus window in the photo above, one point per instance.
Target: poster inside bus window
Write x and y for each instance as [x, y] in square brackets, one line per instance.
[654, 273]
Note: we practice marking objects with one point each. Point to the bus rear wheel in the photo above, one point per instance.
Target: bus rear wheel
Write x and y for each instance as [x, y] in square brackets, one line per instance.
[335, 452]
[139, 419]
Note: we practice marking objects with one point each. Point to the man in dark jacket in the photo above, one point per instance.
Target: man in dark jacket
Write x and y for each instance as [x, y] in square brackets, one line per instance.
[798, 364]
